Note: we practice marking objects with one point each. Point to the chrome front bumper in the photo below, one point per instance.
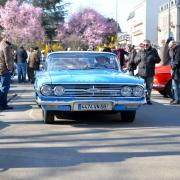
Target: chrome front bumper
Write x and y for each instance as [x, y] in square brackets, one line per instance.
[72, 103]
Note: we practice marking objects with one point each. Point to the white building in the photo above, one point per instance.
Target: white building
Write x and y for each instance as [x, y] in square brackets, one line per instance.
[169, 21]
[143, 21]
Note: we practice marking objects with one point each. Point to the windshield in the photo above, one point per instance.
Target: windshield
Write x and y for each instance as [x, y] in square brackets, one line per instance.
[81, 61]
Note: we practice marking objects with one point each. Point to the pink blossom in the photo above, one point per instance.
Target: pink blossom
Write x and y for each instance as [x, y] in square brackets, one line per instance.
[21, 22]
[91, 26]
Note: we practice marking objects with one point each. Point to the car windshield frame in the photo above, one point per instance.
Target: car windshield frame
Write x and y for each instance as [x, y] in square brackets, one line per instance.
[81, 61]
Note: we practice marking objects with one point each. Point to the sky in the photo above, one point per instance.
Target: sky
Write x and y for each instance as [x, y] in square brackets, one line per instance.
[107, 8]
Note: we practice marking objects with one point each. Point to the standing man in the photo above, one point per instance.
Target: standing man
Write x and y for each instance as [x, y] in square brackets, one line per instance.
[21, 64]
[175, 64]
[29, 54]
[121, 55]
[107, 48]
[131, 64]
[6, 66]
[146, 60]
[33, 64]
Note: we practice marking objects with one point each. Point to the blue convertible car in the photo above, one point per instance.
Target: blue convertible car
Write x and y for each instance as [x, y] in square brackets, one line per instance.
[87, 81]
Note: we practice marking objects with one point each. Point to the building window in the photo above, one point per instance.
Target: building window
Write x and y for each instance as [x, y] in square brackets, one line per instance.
[166, 6]
[172, 3]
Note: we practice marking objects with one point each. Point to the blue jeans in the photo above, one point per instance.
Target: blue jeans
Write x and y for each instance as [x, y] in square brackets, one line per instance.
[5, 81]
[176, 89]
[21, 68]
[149, 85]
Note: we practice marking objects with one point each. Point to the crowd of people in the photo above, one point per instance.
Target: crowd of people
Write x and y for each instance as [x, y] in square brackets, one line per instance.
[20, 60]
[27, 62]
[145, 60]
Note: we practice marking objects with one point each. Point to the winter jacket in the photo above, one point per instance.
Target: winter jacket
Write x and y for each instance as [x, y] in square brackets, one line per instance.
[176, 64]
[33, 60]
[121, 56]
[107, 49]
[6, 58]
[131, 60]
[146, 60]
[21, 55]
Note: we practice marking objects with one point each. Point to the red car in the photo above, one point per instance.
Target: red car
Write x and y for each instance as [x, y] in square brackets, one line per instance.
[162, 80]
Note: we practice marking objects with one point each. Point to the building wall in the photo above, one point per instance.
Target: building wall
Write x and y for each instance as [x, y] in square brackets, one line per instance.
[163, 23]
[152, 19]
[145, 22]
[137, 24]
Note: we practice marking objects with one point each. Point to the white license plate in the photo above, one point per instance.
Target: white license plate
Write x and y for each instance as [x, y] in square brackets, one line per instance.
[93, 106]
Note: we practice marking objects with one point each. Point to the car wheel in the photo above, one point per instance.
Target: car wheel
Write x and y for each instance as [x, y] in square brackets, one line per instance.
[48, 117]
[168, 89]
[163, 92]
[60, 115]
[128, 116]
[167, 92]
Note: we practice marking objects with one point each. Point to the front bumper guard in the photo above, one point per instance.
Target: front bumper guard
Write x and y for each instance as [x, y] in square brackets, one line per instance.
[71, 103]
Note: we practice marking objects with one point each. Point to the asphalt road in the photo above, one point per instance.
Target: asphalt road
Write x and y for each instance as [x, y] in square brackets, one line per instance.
[90, 146]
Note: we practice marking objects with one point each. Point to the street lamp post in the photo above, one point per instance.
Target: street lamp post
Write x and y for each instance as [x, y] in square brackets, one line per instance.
[117, 17]
[116, 10]
[178, 21]
[169, 19]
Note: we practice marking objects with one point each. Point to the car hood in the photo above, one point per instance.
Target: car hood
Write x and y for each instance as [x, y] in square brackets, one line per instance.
[92, 76]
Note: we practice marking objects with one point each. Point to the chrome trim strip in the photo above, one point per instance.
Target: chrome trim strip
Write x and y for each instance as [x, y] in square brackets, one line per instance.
[92, 83]
[141, 102]
[158, 85]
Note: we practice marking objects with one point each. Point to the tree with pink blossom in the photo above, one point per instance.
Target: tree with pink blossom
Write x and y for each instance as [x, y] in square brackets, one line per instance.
[90, 26]
[22, 22]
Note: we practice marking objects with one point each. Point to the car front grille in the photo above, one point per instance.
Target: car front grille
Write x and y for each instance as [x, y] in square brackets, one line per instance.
[92, 90]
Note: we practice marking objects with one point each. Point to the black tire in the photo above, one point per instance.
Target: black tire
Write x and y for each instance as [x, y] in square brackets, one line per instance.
[167, 92]
[48, 117]
[163, 92]
[128, 116]
[60, 115]
[168, 89]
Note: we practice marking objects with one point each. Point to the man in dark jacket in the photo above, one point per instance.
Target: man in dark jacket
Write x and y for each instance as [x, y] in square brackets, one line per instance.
[166, 57]
[146, 60]
[131, 63]
[107, 48]
[6, 66]
[21, 64]
[33, 64]
[121, 55]
[175, 64]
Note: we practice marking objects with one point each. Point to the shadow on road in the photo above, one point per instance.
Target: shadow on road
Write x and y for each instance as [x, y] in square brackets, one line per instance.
[39, 157]
[148, 116]
[3, 124]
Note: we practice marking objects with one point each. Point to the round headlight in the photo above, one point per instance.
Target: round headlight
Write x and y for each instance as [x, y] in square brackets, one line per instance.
[138, 91]
[46, 90]
[58, 90]
[126, 91]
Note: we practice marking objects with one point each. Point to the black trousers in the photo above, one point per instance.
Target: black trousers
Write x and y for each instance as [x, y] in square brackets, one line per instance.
[31, 74]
